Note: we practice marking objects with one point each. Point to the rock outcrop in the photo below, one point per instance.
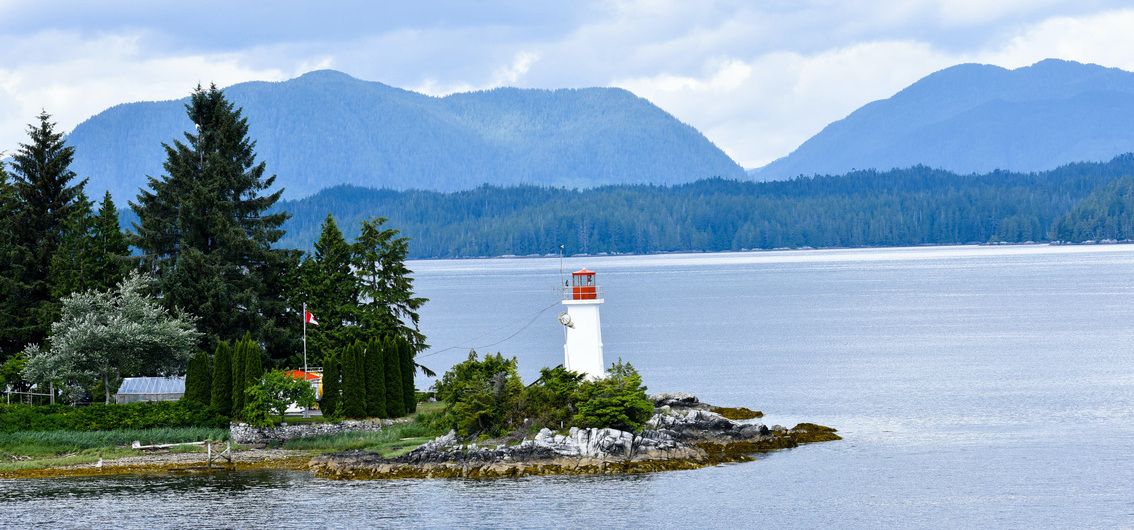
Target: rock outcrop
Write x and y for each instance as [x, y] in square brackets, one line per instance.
[682, 434]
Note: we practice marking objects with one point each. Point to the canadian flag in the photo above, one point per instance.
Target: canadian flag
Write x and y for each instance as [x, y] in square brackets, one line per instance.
[309, 318]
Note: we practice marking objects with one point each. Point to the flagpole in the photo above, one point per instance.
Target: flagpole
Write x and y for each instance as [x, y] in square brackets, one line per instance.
[305, 341]
[305, 350]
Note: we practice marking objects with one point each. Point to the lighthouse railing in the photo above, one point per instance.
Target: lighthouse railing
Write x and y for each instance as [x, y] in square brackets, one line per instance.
[585, 292]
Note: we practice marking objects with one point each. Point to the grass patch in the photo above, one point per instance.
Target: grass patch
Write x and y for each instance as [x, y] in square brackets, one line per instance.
[38, 449]
[389, 442]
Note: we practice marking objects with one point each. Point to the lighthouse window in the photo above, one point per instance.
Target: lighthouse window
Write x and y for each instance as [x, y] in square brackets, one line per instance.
[590, 280]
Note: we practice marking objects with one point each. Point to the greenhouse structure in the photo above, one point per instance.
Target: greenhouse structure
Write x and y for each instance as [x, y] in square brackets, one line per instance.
[135, 389]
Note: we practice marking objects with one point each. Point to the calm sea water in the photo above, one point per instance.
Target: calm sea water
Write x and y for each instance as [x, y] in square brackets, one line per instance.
[989, 386]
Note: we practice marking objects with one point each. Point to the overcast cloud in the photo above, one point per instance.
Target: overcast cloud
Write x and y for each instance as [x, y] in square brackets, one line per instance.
[758, 78]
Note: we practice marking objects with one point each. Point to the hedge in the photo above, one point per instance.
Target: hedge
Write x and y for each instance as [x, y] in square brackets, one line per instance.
[108, 417]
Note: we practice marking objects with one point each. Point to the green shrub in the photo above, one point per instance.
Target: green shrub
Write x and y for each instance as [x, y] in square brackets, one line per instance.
[618, 401]
[266, 401]
[550, 401]
[109, 417]
[486, 397]
[481, 397]
[198, 379]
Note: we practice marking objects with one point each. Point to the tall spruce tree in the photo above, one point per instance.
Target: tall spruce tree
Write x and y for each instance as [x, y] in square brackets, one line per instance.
[221, 397]
[395, 395]
[198, 383]
[205, 232]
[330, 403]
[15, 328]
[354, 382]
[329, 288]
[375, 380]
[47, 195]
[386, 301]
[406, 352]
[111, 250]
[71, 265]
[92, 253]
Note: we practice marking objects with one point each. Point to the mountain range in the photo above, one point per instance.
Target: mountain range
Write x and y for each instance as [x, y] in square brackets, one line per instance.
[974, 118]
[326, 128]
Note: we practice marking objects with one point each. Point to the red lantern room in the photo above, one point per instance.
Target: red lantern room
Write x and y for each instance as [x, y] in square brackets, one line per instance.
[583, 286]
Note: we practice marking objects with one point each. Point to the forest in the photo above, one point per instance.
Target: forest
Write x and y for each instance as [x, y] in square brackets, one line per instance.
[913, 206]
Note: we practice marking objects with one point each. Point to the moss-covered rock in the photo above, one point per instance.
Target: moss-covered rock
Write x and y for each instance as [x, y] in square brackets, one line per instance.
[737, 413]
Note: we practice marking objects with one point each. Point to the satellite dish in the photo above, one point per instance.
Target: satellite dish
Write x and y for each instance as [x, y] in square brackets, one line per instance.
[565, 319]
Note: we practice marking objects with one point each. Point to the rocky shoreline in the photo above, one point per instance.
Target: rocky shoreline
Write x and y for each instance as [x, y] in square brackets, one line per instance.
[683, 434]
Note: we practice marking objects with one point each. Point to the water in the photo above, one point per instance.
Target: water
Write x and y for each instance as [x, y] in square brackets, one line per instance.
[988, 386]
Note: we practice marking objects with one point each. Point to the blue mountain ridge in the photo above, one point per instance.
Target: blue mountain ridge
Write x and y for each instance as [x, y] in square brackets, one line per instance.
[973, 118]
[327, 128]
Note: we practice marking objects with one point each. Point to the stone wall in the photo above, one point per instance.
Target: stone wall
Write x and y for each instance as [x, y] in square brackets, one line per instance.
[243, 433]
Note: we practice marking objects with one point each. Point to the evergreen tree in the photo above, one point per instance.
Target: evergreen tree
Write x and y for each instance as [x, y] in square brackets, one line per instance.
[198, 384]
[221, 397]
[72, 264]
[253, 364]
[354, 382]
[329, 287]
[47, 196]
[205, 231]
[239, 352]
[375, 379]
[330, 404]
[110, 248]
[387, 305]
[395, 394]
[408, 390]
[15, 328]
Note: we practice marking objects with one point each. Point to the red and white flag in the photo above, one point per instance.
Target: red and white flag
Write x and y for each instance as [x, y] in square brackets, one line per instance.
[309, 318]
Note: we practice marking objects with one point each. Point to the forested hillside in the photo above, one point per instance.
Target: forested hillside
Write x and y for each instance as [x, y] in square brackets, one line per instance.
[327, 128]
[912, 206]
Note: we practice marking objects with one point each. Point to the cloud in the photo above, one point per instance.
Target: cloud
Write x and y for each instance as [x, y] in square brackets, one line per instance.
[760, 109]
[113, 69]
[510, 74]
[758, 78]
[1103, 38]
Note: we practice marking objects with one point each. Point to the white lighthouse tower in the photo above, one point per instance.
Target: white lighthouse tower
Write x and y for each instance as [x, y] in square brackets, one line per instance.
[582, 347]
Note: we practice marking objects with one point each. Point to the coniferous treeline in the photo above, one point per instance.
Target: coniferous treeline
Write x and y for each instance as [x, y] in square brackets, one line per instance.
[52, 242]
[913, 206]
[372, 379]
[206, 238]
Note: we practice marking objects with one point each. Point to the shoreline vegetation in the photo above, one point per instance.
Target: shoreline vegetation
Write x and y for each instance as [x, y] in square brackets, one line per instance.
[694, 437]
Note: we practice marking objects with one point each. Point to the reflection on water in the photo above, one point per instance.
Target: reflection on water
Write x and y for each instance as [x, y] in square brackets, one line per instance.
[973, 385]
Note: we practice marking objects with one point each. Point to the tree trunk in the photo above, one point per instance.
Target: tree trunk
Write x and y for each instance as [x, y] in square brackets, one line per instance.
[106, 386]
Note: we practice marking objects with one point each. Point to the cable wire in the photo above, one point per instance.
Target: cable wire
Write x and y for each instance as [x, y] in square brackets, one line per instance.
[505, 339]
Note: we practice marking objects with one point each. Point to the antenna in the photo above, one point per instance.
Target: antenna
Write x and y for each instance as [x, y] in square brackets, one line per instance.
[561, 266]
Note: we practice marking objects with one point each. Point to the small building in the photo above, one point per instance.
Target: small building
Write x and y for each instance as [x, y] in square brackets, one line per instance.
[135, 389]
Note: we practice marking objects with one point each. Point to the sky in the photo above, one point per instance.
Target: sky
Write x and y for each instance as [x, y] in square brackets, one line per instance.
[756, 77]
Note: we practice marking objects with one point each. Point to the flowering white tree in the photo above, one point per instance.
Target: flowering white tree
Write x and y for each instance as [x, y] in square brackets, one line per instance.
[103, 335]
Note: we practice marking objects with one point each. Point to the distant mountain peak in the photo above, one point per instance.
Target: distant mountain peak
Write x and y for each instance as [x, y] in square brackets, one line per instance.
[326, 127]
[977, 118]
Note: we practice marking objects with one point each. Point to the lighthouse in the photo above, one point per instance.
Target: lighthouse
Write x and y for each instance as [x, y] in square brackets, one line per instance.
[582, 345]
